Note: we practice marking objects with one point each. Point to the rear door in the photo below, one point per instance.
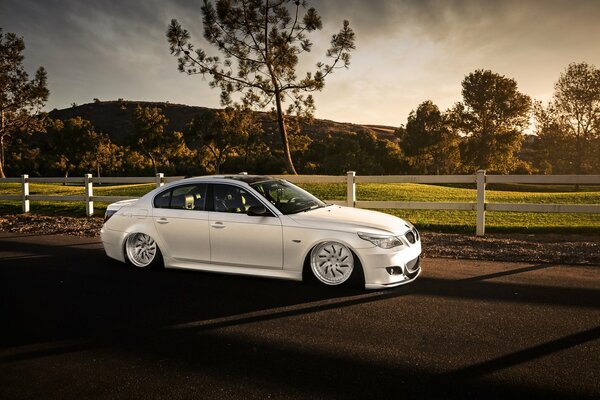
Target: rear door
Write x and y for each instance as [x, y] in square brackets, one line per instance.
[181, 220]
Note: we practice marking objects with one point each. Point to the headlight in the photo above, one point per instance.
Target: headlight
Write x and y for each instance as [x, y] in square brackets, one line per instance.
[383, 241]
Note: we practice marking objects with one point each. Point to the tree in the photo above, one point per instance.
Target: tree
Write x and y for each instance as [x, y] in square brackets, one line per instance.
[429, 142]
[554, 151]
[21, 99]
[492, 117]
[24, 154]
[71, 142]
[573, 117]
[152, 138]
[223, 133]
[261, 42]
[360, 151]
[104, 155]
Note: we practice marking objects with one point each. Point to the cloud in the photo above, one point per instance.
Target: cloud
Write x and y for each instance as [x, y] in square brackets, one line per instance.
[407, 51]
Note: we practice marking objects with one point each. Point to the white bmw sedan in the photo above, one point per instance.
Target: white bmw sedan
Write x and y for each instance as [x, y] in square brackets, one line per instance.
[258, 225]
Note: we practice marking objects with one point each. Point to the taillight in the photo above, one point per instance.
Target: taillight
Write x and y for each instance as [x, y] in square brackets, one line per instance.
[108, 214]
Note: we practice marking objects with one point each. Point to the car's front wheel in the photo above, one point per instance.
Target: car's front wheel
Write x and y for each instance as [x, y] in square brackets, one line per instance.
[142, 251]
[332, 263]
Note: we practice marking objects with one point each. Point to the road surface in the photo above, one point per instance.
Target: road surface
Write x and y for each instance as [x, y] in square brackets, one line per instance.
[75, 324]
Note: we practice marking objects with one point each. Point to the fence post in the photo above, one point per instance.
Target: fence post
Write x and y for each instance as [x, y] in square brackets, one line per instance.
[25, 192]
[480, 229]
[351, 188]
[89, 192]
[159, 179]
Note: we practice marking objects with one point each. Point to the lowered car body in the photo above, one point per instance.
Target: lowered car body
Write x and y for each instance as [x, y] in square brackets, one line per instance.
[257, 225]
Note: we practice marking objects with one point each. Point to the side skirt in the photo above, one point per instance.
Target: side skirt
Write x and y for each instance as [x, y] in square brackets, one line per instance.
[225, 269]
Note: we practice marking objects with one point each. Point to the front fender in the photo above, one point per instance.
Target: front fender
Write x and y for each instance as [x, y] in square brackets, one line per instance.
[298, 242]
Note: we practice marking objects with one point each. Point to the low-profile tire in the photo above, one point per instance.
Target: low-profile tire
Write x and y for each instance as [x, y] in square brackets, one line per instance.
[142, 251]
[334, 264]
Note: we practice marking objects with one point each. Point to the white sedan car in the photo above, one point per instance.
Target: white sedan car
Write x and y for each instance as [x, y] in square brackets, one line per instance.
[258, 225]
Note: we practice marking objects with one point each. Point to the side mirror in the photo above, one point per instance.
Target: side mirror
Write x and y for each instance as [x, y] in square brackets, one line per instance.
[257, 211]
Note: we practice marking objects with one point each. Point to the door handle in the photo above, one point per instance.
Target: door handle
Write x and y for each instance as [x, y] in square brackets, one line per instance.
[162, 221]
[218, 225]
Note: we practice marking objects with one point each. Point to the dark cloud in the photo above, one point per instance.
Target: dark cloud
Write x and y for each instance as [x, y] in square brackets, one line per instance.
[422, 48]
[106, 49]
[443, 19]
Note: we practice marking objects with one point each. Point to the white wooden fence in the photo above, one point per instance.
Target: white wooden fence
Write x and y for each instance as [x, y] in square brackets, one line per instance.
[480, 179]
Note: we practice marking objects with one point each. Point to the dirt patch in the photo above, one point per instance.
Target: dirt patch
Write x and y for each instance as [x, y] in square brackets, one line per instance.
[47, 225]
[542, 248]
[539, 248]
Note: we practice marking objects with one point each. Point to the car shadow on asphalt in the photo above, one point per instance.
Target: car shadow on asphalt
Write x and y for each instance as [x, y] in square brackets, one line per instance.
[71, 290]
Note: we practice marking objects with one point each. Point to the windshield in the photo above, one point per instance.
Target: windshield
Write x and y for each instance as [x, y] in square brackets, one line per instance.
[288, 198]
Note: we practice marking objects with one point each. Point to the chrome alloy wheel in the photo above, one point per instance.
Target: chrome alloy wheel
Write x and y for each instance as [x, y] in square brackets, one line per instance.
[141, 249]
[332, 263]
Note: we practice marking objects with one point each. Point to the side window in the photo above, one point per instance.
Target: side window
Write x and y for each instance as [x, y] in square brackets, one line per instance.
[233, 199]
[163, 199]
[185, 197]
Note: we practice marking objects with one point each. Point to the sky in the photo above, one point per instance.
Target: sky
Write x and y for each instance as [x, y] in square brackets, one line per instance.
[407, 51]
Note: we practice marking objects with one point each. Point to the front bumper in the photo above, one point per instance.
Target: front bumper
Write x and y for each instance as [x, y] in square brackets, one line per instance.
[405, 280]
[385, 268]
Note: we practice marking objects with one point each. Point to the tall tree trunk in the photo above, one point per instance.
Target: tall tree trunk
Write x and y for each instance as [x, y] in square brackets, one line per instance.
[153, 164]
[2, 157]
[289, 164]
[579, 157]
[2, 145]
[280, 121]
[217, 159]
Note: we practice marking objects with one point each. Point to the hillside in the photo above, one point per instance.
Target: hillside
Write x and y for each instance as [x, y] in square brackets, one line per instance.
[115, 119]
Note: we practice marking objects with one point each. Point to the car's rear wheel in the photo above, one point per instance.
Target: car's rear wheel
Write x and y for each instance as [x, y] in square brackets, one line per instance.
[332, 263]
[142, 251]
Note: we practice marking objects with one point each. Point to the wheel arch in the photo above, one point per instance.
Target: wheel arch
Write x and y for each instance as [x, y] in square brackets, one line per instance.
[147, 227]
[307, 274]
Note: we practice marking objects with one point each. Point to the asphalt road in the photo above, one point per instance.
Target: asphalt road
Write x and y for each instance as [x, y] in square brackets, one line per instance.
[76, 325]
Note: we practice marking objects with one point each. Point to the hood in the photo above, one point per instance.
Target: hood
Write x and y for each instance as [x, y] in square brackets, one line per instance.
[341, 218]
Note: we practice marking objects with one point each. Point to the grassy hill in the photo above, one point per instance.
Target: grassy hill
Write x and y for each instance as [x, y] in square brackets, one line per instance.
[115, 118]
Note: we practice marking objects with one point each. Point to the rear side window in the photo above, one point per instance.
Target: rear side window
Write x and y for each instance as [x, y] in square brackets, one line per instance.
[184, 197]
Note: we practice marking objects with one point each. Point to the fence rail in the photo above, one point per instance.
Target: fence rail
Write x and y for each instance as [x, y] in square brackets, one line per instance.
[480, 179]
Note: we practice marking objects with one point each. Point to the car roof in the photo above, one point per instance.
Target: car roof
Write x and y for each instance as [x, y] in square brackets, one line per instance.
[249, 179]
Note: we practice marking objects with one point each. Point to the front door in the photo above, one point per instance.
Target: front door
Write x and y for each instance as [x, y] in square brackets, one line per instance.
[241, 240]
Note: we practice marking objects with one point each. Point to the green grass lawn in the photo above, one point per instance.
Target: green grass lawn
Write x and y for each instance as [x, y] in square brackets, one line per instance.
[438, 220]
[66, 207]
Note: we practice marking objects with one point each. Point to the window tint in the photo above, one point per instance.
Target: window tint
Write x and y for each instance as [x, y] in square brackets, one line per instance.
[288, 198]
[163, 200]
[233, 199]
[186, 197]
